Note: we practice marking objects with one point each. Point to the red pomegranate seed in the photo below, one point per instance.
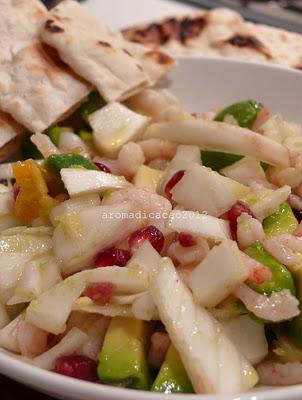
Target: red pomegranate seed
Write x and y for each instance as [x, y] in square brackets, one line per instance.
[298, 214]
[80, 367]
[112, 256]
[102, 167]
[100, 293]
[172, 182]
[234, 213]
[186, 240]
[151, 233]
[16, 191]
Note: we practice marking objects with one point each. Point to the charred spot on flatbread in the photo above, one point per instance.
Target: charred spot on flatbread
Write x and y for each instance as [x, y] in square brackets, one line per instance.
[159, 34]
[190, 28]
[52, 27]
[159, 58]
[248, 41]
[104, 44]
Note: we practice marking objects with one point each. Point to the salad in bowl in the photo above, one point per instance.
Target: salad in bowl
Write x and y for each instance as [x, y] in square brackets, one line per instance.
[143, 246]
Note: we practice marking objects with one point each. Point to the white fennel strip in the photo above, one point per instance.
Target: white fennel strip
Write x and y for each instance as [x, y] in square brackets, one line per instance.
[212, 362]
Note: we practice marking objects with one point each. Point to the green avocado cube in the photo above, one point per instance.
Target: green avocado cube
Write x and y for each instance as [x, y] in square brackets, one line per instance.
[244, 112]
[56, 162]
[281, 276]
[172, 376]
[282, 221]
[54, 133]
[122, 360]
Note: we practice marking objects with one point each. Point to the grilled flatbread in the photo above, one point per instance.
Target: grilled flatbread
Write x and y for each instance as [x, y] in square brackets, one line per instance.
[20, 22]
[220, 33]
[36, 88]
[117, 68]
[9, 129]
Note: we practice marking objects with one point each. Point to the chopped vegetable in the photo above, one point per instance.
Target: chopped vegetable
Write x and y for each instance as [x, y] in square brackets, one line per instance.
[218, 136]
[172, 377]
[125, 125]
[33, 200]
[122, 361]
[84, 181]
[282, 221]
[54, 133]
[93, 103]
[281, 277]
[244, 112]
[56, 162]
[224, 268]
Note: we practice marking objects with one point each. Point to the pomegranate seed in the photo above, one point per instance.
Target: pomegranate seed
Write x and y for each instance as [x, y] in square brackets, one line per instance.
[172, 182]
[234, 213]
[102, 167]
[298, 215]
[100, 293]
[16, 191]
[151, 233]
[186, 240]
[80, 367]
[112, 256]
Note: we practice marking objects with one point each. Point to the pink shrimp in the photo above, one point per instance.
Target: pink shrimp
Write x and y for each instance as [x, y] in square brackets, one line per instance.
[130, 158]
[276, 374]
[283, 247]
[32, 341]
[262, 116]
[259, 273]
[44, 144]
[160, 342]
[158, 148]
[280, 306]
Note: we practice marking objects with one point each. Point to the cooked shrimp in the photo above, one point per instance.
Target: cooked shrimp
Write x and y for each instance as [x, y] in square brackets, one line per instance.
[158, 163]
[31, 339]
[70, 142]
[160, 342]
[44, 144]
[189, 255]
[259, 184]
[276, 374]
[154, 208]
[130, 158]
[278, 249]
[283, 247]
[158, 148]
[298, 230]
[262, 116]
[279, 306]
[152, 102]
[290, 176]
[259, 273]
[249, 230]
[295, 202]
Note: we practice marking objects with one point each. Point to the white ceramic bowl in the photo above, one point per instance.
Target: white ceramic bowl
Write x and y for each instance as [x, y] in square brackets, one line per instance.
[201, 84]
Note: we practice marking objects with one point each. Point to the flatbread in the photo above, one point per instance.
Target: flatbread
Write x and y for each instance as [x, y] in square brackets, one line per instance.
[220, 33]
[20, 23]
[117, 68]
[9, 129]
[36, 88]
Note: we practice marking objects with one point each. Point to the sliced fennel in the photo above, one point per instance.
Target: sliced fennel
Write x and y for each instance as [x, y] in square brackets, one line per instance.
[218, 275]
[84, 181]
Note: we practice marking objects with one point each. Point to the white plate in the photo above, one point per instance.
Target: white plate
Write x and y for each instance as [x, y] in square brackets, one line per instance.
[201, 84]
